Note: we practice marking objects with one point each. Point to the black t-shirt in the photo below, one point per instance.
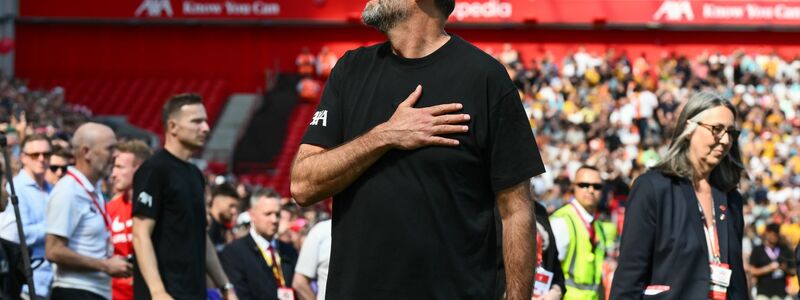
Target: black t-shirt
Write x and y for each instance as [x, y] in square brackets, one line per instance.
[419, 224]
[171, 192]
[768, 284]
[216, 233]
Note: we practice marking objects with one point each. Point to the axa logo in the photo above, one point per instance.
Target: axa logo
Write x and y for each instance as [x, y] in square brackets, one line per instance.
[674, 10]
[146, 199]
[321, 115]
[154, 8]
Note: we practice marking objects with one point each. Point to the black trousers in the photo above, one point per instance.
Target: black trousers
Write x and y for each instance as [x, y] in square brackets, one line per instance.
[60, 293]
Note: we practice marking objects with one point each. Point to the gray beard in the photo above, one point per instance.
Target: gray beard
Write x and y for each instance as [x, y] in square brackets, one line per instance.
[382, 17]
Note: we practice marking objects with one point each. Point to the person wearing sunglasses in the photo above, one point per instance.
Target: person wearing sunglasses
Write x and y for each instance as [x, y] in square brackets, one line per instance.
[682, 236]
[32, 191]
[59, 162]
[581, 239]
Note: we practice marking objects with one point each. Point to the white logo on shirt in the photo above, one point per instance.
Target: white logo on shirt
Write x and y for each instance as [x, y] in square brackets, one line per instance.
[117, 226]
[320, 115]
[146, 199]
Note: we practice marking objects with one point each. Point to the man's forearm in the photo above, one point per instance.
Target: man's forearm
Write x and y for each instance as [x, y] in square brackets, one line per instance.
[518, 254]
[57, 252]
[213, 267]
[324, 174]
[146, 258]
[516, 210]
[301, 285]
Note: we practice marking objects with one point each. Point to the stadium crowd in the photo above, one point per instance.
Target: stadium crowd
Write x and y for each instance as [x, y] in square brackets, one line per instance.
[611, 110]
[614, 111]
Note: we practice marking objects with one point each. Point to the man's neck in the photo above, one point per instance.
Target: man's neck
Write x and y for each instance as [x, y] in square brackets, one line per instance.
[266, 237]
[39, 179]
[86, 170]
[589, 209]
[217, 218]
[418, 36]
[174, 147]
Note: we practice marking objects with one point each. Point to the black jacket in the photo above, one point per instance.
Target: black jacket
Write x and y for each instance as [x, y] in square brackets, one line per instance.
[246, 268]
[663, 241]
[550, 260]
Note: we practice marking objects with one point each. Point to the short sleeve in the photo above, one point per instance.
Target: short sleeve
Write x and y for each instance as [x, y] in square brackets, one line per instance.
[513, 153]
[325, 129]
[61, 216]
[147, 192]
[307, 262]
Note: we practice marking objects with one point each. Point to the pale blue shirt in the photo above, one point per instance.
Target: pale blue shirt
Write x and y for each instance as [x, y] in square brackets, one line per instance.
[72, 214]
[32, 204]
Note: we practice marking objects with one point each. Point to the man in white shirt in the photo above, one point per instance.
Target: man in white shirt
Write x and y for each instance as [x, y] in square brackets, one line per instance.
[313, 262]
[77, 239]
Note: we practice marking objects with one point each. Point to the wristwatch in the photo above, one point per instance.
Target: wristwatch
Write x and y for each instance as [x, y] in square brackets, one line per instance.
[227, 287]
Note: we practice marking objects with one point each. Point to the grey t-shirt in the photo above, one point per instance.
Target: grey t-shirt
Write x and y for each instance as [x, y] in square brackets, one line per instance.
[72, 214]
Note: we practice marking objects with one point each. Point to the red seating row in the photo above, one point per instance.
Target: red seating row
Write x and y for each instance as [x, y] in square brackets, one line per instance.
[140, 100]
[282, 163]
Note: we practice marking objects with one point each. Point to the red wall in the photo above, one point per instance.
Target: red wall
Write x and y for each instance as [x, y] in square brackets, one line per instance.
[240, 54]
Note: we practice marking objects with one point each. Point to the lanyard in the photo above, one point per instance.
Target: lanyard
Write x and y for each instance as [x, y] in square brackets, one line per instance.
[588, 225]
[273, 262]
[94, 201]
[773, 253]
[712, 238]
[538, 249]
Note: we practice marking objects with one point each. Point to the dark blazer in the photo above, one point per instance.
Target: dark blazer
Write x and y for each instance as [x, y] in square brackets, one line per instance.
[550, 255]
[252, 278]
[663, 241]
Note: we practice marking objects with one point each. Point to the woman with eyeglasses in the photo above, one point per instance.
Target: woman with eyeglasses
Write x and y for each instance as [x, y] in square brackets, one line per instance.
[683, 224]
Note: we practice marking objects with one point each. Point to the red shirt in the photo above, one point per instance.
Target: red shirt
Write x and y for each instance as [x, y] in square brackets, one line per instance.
[119, 211]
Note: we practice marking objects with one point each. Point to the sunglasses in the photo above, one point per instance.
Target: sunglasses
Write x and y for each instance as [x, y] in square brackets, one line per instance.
[586, 185]
[39, 154]
[56, 168]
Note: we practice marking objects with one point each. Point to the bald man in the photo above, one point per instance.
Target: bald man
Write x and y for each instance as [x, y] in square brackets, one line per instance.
[77, 240]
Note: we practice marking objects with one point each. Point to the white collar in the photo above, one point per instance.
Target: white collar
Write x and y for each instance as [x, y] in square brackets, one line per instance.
[584, 214]
[82, 180]
[261, 242]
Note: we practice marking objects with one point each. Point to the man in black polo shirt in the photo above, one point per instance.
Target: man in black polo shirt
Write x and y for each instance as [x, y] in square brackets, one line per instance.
[415, 178]
[173, 251]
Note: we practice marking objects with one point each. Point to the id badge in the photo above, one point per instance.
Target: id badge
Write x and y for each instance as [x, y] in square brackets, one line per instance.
[542, 282]
[718, 292]
[721, 275]
[285, 294]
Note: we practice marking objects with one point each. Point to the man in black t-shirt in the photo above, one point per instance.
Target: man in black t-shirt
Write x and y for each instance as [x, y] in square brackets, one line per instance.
[173, 251]
[771, 263]
[222, 211]
[415, 179]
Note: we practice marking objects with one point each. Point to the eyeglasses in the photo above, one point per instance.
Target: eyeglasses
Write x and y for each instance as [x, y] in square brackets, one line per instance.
[718, 129]
[56, 168]
[586, 185]
[39, 154]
